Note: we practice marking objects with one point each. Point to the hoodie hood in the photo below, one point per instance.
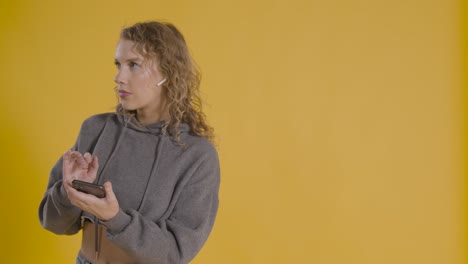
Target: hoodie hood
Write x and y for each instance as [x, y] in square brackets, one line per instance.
[130, 121]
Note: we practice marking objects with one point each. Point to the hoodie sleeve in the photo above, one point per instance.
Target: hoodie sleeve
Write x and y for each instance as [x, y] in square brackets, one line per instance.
[56, 213]
[179, 237]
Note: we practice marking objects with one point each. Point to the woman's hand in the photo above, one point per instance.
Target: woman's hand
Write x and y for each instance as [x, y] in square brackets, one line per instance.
[103, 208]
[84, 168]
[79, 167]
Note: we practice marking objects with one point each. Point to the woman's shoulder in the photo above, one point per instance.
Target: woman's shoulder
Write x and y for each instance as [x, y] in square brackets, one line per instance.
[98, 121]
[200, 145]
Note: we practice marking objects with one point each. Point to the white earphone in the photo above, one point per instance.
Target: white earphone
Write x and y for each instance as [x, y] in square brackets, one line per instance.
[161, 82]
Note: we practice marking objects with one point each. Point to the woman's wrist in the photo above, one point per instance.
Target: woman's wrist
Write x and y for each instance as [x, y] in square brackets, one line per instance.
[117, 223]
[109, 216]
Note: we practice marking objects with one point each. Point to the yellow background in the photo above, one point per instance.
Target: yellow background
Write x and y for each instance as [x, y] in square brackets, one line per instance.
[339, 122]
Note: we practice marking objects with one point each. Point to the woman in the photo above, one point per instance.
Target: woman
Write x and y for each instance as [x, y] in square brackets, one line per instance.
[154, 157]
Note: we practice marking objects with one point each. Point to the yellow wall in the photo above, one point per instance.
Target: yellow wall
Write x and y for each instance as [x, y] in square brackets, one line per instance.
[464, 42]
[339, 122]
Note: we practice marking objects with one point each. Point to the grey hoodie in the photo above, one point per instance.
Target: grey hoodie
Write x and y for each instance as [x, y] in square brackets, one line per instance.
[168, 194]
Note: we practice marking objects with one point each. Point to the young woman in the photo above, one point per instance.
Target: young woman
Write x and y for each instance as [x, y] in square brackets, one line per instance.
[153, 156]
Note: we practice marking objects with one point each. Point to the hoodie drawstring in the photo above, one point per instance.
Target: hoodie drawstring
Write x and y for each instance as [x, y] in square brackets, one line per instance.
[154, 167]
[96, 237]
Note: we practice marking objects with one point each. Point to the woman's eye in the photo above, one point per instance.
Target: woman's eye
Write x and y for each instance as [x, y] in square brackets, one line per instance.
[133, 65]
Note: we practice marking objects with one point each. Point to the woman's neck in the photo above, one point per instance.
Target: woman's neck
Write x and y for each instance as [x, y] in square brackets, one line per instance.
[148, 119]
[151, 116]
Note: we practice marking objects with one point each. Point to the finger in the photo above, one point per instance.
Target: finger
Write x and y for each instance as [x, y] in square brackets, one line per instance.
[88, 158]
[71, 193]
[66, 155]
[111, 208]
[81, 199]
[110, 195]
[74, 154]
[66, 186]
[93, 166]
[79, 159]
[67, 158]
[67, 164]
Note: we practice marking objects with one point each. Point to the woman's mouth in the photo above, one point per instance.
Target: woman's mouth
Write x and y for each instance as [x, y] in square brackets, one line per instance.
[123, 93]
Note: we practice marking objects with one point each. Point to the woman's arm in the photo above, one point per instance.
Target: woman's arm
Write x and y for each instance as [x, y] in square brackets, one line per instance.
[56, 213]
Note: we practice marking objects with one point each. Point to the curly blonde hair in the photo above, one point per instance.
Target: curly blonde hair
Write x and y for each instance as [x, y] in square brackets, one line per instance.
[164, 42]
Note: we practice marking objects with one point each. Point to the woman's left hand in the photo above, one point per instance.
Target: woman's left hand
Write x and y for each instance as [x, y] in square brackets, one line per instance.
[103, 208]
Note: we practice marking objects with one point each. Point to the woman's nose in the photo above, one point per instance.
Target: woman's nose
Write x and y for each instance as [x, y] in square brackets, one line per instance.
[119, 78]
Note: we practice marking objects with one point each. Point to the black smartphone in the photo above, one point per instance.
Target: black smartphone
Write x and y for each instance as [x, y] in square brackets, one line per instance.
[90, 188]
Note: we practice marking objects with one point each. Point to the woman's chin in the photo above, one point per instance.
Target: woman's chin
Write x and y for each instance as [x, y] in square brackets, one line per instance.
[127, 107]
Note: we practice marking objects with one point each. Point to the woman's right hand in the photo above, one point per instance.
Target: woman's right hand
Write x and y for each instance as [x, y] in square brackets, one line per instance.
[84, 168]
[78, 167]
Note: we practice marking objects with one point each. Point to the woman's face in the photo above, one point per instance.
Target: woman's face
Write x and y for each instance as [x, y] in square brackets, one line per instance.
[137, 80]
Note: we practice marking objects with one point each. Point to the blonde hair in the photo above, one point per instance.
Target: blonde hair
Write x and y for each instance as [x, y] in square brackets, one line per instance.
[164, 42]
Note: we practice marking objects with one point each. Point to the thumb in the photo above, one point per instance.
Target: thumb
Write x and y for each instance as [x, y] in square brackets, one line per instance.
[94, 165]
[110, 195]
